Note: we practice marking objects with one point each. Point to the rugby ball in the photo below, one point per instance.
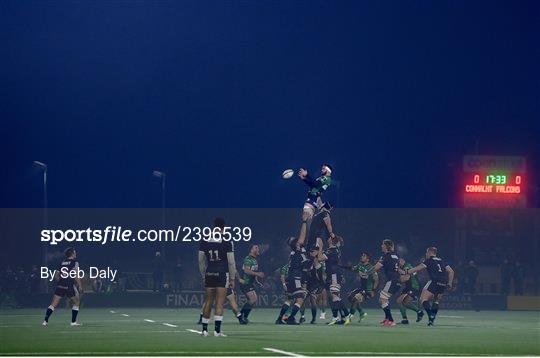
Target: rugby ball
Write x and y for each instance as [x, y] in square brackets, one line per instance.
[287, 174]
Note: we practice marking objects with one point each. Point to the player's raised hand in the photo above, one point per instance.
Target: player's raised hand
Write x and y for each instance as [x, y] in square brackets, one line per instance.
[231, 284]
[302, 173]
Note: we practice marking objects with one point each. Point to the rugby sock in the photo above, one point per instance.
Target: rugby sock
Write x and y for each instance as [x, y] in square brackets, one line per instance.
[205, 324]
[284, 310]
[343, 309]
[218, 320]
[239, 316]
[388, 313]
[434, 309]
[313, 313]
[295, 309]
[246, 309]
[49, 312]
[427, 307]
[74, 313]
[303, 310]
[335, 309]
[403, 311]
[360, 311]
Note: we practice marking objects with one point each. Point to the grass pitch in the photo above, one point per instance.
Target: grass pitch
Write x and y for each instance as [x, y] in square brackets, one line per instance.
[174, 332]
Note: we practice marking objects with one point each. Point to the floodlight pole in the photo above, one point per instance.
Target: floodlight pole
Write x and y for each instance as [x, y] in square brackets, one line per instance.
[44, 167]
[161, 175]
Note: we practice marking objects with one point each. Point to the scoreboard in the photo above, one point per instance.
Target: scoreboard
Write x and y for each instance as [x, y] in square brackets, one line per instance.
[494, 181]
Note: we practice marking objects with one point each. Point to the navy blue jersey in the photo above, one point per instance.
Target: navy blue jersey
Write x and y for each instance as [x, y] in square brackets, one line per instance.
[436, 269]
[65, 269]
[332, 262]
[318, 228]
[390, 262]
[216, 255]
[297, 261]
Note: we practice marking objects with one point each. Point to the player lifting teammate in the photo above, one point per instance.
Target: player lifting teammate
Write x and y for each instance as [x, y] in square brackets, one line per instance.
[389, 262]
[315, 281]
[441, 276]
[299, 263]
[334, 278]
[217, 265]
[67, 286]
[409, 294]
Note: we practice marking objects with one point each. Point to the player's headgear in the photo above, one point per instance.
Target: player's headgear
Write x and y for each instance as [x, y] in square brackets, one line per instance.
[328, 167]
[433, 250]
[69, 251]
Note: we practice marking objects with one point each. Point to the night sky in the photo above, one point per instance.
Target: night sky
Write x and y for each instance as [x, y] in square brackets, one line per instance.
[225, 95]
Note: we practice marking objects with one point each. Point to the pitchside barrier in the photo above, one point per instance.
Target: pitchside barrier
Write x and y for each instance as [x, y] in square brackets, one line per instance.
[194, 299]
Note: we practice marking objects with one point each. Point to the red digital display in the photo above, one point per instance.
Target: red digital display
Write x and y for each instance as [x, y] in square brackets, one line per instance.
[493, 181]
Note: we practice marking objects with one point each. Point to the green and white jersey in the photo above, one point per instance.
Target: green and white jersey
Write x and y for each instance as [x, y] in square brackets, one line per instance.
[316, 187]
[413, 283]
[322, 183]
[250, 263]
[367, 275]
[284, 270]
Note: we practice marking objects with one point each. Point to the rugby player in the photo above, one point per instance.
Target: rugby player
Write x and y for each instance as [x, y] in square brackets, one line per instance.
[369, 281]
[250, 277]
[67, 286]
[322, 298]
[321, 227]
[316, 188]
[299, 265]
[283, 274]
[409, 294]
[217, 265]
[389, 262]
[334, 278]
[231, 297]
[315, 281]
[441, 277]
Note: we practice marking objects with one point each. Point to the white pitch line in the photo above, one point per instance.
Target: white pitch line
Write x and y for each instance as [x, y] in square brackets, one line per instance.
[194, 331]
[124, 353]
[290, 354]
[169, 325]
[112, 311]
[125, 315]
[396, 353]
[149, 320]
[451, 316]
